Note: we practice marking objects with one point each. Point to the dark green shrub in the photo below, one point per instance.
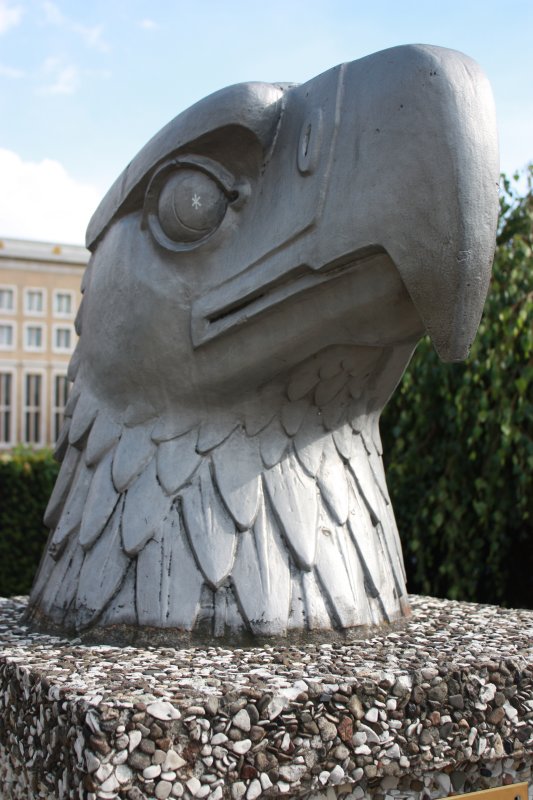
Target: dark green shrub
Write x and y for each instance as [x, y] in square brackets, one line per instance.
[458, 440]
[26, 481]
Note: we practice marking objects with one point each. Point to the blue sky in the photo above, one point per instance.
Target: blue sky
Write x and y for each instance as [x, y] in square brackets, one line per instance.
[84, 84]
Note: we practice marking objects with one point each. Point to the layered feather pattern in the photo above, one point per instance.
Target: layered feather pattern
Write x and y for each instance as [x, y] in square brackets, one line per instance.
[261, 520]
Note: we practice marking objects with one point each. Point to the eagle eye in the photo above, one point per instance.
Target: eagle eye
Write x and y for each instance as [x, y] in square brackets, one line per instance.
[191, 206]
[186, 201]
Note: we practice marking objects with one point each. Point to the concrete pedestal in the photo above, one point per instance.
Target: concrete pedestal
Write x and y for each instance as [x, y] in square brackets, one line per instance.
[440, 704]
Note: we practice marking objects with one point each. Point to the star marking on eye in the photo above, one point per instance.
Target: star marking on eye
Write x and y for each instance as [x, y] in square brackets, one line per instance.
[196, 201]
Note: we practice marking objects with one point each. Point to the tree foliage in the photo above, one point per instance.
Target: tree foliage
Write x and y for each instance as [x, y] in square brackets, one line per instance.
[458, 440]
[26, 481]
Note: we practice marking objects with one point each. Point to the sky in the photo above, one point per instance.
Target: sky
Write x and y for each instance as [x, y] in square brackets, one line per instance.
[83, 85]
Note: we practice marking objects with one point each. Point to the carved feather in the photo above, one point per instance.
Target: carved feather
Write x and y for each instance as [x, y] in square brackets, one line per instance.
[134, 450]
[297, 611]
[82, 418]
[330, 367]
[101, 500]
[331, 478]
[169, 583]
[364, 536]
[62, 583]
[74, 364]
[103, 436]
[170, 426]
[151, 564]
[258, 413]
[103, 570]
[341, 577]
[273, 443]
[182, 586]
[73, 508]
[73, 397]
[376, 466]
[334, 413]
[61, 488]
[293, 496]
[292, 415]
[210, 528]
[316, 613]
[177, 459]
[309, 441]
[144, 510]
[214, 432]
[62, 442]
[326, 390]
[343, 438]
[121, 608]
[303, 380]
[262, 563]
[237, 470]
[364, 477]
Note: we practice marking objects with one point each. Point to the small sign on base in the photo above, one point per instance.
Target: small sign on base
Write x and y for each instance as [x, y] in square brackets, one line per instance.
[515, 791]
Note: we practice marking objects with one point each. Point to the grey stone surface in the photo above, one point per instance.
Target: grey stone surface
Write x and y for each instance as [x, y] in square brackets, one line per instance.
[261, 274]
[374, 716]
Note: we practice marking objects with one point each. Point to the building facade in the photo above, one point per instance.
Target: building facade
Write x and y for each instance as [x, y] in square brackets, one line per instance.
[39, 299]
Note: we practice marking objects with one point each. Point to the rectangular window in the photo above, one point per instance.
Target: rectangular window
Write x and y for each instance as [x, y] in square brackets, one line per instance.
[6, 408]
[33, 386]
[63, 304]
[7, 338]
[61, 388]
[34, 301]
[34, 337]
[63, 339]
[7, 299]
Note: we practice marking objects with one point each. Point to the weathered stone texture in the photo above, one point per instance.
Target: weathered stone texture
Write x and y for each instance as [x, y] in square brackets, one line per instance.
[375, 716]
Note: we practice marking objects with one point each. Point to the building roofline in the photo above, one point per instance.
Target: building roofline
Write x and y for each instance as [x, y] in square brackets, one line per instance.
[51, 252]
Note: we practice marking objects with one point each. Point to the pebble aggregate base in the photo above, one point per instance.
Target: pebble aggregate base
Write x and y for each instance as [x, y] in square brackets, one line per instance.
[442, 705]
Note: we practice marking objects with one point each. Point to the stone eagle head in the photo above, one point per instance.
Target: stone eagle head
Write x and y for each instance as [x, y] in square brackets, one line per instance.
[260, 275]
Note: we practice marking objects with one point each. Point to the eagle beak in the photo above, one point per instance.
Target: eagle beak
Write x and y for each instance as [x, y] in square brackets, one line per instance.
[427, 142]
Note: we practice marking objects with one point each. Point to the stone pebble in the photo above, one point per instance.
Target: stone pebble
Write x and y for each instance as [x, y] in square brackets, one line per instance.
[381, 714]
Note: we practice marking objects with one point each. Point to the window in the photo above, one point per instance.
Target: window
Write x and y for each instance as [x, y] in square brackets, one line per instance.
[34, 301]
[63, 304]
[33, 394]
[63, 339]
[7, 335]
[7, 298]
[6, 408]
[61, 387]
[33, 338]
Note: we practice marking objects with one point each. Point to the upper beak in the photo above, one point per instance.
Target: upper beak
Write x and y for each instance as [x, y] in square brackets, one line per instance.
[425, 180]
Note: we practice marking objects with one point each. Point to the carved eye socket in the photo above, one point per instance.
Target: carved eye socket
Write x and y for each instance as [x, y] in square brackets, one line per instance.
[191, 205]
[187, 200]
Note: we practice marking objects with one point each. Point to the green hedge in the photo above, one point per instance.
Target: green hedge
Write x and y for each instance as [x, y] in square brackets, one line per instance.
[458, 441]
[26, 481]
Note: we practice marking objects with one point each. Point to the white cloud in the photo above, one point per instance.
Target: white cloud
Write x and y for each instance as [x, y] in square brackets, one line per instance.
[11, 72]
[91, 35]
[148, 25]
[66, 81]
[9, 15]
[53, 14]
[62, 78]
[40, 200]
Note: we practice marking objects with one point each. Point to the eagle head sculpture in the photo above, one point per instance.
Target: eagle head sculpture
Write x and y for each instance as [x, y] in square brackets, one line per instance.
[261, 273]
